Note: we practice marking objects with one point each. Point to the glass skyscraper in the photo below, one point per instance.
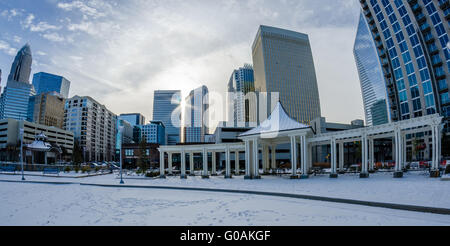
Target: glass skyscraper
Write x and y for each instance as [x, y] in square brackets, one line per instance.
[373, 84]
[412, 40]
[15, 98]
[241, 82]
[195, 117]
[134, 119]
[46, 82]
[283, 63]
[167, 109]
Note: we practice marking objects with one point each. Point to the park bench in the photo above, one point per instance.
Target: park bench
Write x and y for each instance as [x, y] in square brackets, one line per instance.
[8, 169]
[51, 170]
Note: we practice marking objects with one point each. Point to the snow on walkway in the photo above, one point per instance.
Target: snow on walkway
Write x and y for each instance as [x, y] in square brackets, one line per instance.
[46, 204]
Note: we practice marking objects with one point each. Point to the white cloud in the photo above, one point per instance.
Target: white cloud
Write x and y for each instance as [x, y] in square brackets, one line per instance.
[7, 49]
[54, 37]
[84, 8]
[41, 53]
[17, 39]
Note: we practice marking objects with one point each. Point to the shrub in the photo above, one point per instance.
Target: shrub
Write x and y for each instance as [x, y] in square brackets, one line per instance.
[85, 169]
[151, 174]
[97, 169]
[76, 169]
[67, 169]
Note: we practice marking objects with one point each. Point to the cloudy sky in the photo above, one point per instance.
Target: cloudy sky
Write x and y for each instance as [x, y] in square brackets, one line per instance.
[119, 52]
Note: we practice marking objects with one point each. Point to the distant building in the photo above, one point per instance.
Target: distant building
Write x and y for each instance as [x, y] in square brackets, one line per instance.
[47, 109]
[195, 117]
[166, 106]
[46, 82]
[241, 82]
[283, 63]
[132, 152]
[93, 125]
[134, 119]
[125, 137]
[154, 132]
[15, 97]
[10, 139]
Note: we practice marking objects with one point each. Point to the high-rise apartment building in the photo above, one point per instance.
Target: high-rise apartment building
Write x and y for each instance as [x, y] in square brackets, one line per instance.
[167, 109]
[412, 45]
[195, 117]
[93, 125]
[241, 82]
[46, 82]
[373, 84]
[15, 97]
[47, 109]
[283, 63]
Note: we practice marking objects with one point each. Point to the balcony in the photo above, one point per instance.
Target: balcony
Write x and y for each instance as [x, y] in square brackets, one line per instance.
[416, 8]
[411, 2]
[385, 62]
[367, 13]
[365, 6]
[382, 53]
[371, 20]
[377, 36]
[421, 18]
[432, 49]
[428, 38]
[436, 61]
[444, 4]
[374, 28]
[425, 27]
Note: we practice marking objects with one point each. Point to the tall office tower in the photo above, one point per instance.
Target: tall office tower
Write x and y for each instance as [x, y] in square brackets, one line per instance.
[134, 119]
[47, 109]
[15, 97]
[241, 82]
[0, 81]
[93, 125]
[412, 39]
[167, 108]
[283, 62]
[46, 82]
[195, 117]
[373, 84]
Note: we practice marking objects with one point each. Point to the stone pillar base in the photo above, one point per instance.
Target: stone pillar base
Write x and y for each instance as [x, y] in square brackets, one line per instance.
[214, 174]
[183, 177]
[162, 176]
[341, 172]
[364, 175]
[294, 177]
[372, 171]
[205, 176]
[247, 177]
[333, 175]
[398, 174]
[304, 176]
[228, 177]
[435, 174]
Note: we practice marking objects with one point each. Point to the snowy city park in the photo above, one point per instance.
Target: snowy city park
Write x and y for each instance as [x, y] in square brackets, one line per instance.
[102, 201]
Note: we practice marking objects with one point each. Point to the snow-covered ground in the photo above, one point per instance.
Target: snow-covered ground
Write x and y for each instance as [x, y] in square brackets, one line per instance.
[415, 188]
[73, 204]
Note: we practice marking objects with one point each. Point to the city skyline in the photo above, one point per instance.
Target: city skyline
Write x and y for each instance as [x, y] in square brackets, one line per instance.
[125, 73]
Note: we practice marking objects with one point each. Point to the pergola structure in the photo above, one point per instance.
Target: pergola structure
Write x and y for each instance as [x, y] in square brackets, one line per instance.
[279, 128]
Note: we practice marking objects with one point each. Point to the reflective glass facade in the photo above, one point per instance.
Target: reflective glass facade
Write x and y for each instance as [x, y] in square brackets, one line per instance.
[167, 103]
[373, 84]
[412, 44]
[241, 82]
[45, 82]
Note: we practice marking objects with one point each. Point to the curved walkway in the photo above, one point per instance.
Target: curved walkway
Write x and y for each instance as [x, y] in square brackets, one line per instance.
[413, 208]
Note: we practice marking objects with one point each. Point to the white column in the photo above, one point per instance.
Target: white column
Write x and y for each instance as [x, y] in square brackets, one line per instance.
[274, 157]
[191, 164]
[266, 158]
[45, 157]
[436, 137]
[403, 151]
[205, 164]
[227, 163]
[333, 159]
[236, 162]
[247, 159]
[255, 159]
[305, 156]
[213, 164]
[365, 155]
[170, 164]
[161, 164]
[398, 151]
[341, 157]
[294, 157]
[310, 159]
[183, 164]
[372, 154]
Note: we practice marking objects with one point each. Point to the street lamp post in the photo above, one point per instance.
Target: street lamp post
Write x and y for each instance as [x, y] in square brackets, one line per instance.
[21, 151]
[121, 143]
